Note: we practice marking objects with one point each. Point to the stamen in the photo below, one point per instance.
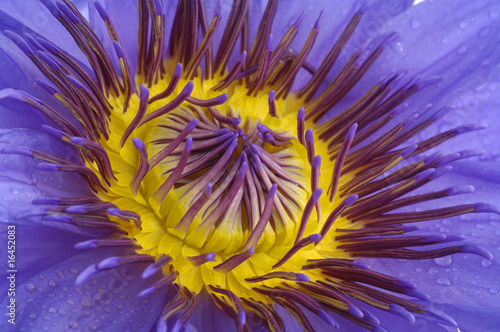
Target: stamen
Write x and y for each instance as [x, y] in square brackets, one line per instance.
[263, 67]
[92, 244]
[235, 301]
[339, 163]
[319, 76]
[182, 227]
[310, 145]
[157, 158]
[204, 228]
[126, 74]
[202, 259]
[234, 261]
[176, 76]
[286, 84]
[219, 100]
[152, 269]
[176, 102]
[126, 215]
[143, 107]
[335, 214]
[160, 194]
[301, 126]
[254, 237]
[233, 29]
[109, 263]
[143, 167]
[45, 109]
[162, 283]
[296, 247]
[82, 170]
[99, 154]
[307, 213]
[272, 105]
[268, 314]
[226, 81]
[315, 170]
[224, 119]
[292, 276]
[203, 48]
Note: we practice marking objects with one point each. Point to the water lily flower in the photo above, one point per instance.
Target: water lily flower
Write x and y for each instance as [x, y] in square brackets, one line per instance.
[246, 165]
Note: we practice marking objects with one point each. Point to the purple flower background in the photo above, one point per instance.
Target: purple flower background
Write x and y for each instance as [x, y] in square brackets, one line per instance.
[457, 40]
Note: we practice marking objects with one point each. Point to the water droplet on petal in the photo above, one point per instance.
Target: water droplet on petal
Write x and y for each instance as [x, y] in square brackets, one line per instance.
[443, 281]
[443, 261]
[432, 271]
[30, 287]
[484, 32]
[493, 291]
[85, 303]
[485, 262]
[414, 24]
[52, 283]
[73, 270]
[32, 315]
[463, 25]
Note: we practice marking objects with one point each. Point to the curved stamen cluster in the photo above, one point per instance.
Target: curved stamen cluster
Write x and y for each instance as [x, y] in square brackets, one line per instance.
[223, 179]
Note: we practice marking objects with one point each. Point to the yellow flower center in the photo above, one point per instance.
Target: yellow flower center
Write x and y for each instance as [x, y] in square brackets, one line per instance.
[204, 207]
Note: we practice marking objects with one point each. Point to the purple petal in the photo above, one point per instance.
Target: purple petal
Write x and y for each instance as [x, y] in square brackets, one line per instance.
[107, 302]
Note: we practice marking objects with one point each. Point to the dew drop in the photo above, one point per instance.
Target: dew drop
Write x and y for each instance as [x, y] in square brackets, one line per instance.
[62, 311]
[70, 302]
[32, 315]
[463, 25]
[60, 273]
[419, 269]
[30, 287]
[443, 281]
[403, 274]
[493, 291]
[432, 271]
[52, 283]
[484, 32]
[444, 261]
[85, 303]
[485, 262]
[414, 24]
[73, 270]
